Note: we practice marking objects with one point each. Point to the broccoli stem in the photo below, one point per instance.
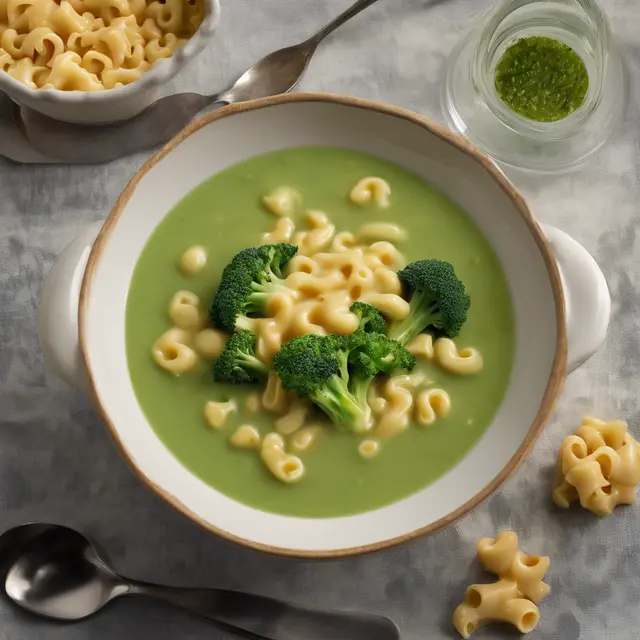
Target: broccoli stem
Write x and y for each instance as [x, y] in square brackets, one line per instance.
[342, 407]
[422, 314]
[360, 390]
[251, 362]
[258, 300]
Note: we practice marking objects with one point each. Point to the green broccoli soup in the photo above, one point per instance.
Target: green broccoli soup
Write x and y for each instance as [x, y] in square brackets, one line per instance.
[317, 332]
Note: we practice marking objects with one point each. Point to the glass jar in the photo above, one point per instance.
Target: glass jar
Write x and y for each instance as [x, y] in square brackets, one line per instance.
[472, 106]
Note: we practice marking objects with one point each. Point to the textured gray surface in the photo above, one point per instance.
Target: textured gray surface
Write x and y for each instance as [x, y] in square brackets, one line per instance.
[57, 463]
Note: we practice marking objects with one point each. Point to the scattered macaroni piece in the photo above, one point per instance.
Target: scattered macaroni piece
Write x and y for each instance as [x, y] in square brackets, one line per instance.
[344, 241]
[387, 281]
[369, 448]
[275, 398]
[246, 437]
[378, 403]
[317, 219]
[381, 231]
[291, 421]
[513, 597]
[185, 312]
[304, 439]
[172, 352]
[282, 232]
[282, 202]
[599, 466]
[422, 346]
[209, 343]
[431, 405]
[371, 190]
[253, 403]
[193, 260]
[390, 305]
[398, 394]
[463, 363]
[284, 466]
[310, 242]
[385, 253]
[216, 413]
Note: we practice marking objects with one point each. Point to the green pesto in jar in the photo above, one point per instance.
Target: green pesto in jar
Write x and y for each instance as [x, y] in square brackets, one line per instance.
[541, 79]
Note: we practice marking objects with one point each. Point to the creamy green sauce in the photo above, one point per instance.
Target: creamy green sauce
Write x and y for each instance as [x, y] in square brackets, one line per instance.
[542, 79]
[224, 215]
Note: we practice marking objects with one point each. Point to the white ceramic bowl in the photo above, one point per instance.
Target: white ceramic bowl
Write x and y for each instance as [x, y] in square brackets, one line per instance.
[100, 107]
[94, 357]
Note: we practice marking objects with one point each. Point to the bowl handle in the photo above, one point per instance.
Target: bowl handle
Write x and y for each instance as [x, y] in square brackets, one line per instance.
[58, 310]
[587, 298]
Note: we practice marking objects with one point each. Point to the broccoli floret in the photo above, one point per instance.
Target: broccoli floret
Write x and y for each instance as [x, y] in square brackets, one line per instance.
[369, 318]
[386, 354]
[378, 354]
[237, 363]
[438, 300]
[335, 372]
[247, 283]
[317, 367]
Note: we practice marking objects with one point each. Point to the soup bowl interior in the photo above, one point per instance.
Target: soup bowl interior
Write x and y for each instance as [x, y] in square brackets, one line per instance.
[441, 159]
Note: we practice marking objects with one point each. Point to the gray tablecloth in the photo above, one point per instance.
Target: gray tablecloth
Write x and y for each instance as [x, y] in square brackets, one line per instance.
[58, 464]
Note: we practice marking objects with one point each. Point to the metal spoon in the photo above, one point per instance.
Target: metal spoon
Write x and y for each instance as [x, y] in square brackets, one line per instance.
[59, 574]
[277, 73]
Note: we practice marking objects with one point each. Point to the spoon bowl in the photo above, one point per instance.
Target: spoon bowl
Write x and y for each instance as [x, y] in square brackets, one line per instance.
[60, 575]
[56, 572]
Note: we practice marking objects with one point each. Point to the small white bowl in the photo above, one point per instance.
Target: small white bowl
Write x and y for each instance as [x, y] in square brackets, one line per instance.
[561, 306]
[101, 107]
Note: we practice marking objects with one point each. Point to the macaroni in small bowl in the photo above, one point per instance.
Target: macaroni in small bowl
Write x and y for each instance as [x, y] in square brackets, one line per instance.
[61, 52]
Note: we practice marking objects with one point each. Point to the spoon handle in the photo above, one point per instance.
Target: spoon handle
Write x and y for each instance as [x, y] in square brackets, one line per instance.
[353, 10]
[269, 618]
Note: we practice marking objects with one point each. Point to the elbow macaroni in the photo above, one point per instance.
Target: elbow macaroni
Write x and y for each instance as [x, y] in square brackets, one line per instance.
[282, 232]
[291, 421]
[193, 260]
[369, 449]
[400, 402]
[379, 231]
[216, 413]
[431, 405]
[422, 346]
[275, 398]
[371, 190]
[209, 343]
[320, 235]
[91, 45]
[599, 466]
[185, 312]
[305, 439]
[284, 466]
[514, 597]
[253, 403]
[376, 401]
[172, 351]
[463, 363]
[284, 202]
[246, 437]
